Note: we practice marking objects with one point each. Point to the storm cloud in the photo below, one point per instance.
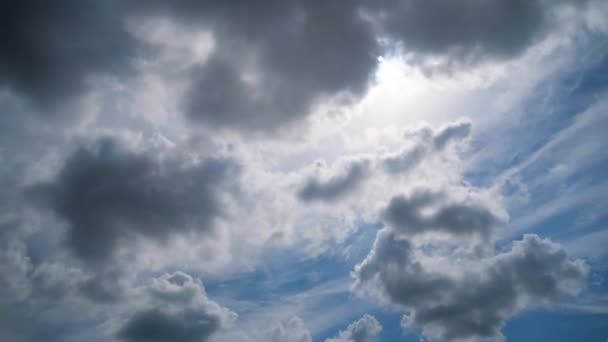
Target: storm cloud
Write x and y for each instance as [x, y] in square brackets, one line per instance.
[108, 194]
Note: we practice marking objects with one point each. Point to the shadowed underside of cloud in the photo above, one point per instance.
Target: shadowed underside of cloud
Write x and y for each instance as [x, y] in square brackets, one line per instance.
[363, 330]
[430, 142]
[340, 185]
[336, 187]
[179, 311]
[49, 51]
[477, 303]
[405, 216]
[273, 60]
[156, 326]
[108, 194]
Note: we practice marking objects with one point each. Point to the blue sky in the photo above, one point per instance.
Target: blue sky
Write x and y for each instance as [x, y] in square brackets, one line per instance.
[299, 171]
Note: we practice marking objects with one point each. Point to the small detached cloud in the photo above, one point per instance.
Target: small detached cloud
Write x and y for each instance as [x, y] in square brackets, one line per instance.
[363, 330]
[337, 186]
[428, 143]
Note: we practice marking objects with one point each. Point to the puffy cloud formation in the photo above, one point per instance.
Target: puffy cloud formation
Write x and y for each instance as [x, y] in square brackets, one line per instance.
[289, 330]
[352, 173]
[477, 302]
[272, 61]
[337, 186]
[108, 194]
[406, 216]
[87, 232]
[363, 330]
[429, 142]
[178, 310]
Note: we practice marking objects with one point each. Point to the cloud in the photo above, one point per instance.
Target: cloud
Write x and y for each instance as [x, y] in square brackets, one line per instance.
[477, 302]
[454, 131]
[291, 329]
[154, 325]
[337, 186]
[272, 62]
[405, 215]
[108, 194]
[427, 143]
[178, 310]
[467, 31]
[406, 160]
[363, 330]
[50, 53]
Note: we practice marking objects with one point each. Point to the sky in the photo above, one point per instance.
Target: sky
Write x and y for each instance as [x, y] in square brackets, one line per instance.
[298, 171]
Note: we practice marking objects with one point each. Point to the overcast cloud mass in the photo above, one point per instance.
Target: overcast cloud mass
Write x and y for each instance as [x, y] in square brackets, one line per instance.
[299, 171]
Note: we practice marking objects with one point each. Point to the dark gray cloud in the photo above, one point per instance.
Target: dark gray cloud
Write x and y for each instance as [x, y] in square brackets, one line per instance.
[405, 215]
[337, 186]
[179, 311]
[364, 329]
[477, 303]
[273, 60]
[50, 51]
[306, 51]
[104, 287]
[108, 194]
[157, 326]
[300, 52]
[465, 31]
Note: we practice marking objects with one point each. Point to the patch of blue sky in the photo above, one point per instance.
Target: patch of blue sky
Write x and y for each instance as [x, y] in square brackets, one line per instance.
[557, 326]
[551, 106]
[316, 289]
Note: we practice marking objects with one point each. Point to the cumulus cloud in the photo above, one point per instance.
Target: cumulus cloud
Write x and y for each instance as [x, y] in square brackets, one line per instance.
[291, 329]
[260, 60]
[108, 194]
[476, 303]
[405, 215]
[351, 174]
[337, 186]
[363, 330]
[178, 309]
[427, 143]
